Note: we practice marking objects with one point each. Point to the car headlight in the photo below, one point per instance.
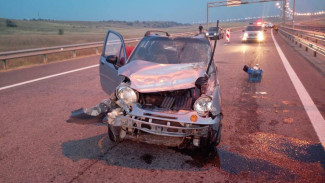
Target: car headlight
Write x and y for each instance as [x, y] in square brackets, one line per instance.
[260, 36]
[126, 94]
[215, 34]
[207, 34]
[245, 35]
[203, 105]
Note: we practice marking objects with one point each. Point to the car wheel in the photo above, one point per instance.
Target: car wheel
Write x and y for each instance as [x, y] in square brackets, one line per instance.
[213, 139]
[114, 133]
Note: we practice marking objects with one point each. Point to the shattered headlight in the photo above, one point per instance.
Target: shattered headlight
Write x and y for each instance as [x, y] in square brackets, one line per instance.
[126, 94]
[203, 105]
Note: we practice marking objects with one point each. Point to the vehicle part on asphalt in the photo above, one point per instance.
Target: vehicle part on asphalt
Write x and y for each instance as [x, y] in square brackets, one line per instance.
[91, 115]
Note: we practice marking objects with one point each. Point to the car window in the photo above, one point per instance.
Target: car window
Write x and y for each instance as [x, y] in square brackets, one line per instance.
[166, 50]
[254, 28]
[113, 45]
[212, 28]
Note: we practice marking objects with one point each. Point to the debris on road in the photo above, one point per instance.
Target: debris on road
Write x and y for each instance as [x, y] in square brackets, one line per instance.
[288, 120]
[91, 115]
[261, 93]
[254, 73]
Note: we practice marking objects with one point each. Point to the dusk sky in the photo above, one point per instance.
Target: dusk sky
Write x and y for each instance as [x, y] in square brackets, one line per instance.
[184, 11]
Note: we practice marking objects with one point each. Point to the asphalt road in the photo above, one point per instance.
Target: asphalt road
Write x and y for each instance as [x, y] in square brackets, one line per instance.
[267, 135]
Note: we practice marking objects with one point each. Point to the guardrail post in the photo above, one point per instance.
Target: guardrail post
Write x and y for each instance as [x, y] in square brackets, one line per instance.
[316, 40]
[4, 64]
[74, 54]
[306, 48]
[315, 53]
[300, 45]
[44, 58]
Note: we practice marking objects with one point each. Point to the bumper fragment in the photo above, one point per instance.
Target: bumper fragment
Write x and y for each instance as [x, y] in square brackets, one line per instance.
[152, 126]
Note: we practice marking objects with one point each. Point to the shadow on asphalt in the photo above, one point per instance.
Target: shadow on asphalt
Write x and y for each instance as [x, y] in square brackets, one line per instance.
[138, 155]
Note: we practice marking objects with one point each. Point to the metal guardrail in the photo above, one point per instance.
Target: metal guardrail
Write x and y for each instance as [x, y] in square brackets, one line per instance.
[316, 37]
[4, 56]
[295, 36]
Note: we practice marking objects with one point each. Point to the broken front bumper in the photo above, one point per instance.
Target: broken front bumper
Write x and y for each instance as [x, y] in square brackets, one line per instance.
[172, 124]
[158, 127]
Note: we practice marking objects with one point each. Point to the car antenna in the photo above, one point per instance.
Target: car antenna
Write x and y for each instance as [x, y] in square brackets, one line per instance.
[214, 47]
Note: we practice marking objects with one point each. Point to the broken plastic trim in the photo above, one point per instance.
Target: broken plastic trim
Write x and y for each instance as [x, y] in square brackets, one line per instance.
[91, 115]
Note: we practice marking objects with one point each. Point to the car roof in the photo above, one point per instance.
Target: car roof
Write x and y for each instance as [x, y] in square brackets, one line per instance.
[159, 37]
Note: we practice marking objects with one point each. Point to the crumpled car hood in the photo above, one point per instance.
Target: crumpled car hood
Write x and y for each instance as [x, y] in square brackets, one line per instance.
[153, 77]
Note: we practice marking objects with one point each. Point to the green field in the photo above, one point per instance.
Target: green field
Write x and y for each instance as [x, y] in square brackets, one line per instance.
[44, 33]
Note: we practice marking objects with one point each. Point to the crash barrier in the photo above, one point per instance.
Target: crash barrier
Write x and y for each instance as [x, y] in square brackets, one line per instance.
[296, 37]
[5, 56]
[316, 37]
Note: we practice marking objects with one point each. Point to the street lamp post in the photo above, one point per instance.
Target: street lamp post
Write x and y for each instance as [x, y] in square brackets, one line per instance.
[207, 15]
[293, 15]
[284, 12]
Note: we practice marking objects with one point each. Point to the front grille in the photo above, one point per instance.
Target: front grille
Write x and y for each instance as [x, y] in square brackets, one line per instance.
[168, 102]
[182, 102]
[177, 100]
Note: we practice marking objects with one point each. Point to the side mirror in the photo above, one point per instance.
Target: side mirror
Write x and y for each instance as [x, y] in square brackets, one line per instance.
[111, 59]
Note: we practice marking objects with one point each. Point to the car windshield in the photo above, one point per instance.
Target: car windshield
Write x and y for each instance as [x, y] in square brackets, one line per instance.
[166, 50]
[253, 28]
[212, 29]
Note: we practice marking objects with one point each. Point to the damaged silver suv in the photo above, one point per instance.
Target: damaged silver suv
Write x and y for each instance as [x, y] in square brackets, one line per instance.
[166, 92]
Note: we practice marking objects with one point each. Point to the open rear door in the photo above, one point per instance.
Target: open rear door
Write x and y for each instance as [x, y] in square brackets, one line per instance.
[113, 47]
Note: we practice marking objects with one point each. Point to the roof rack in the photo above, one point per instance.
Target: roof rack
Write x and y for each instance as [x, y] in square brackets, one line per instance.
[149, 33]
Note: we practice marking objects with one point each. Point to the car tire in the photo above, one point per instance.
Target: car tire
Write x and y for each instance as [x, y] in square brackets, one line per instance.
[213, 139]
[114, 133]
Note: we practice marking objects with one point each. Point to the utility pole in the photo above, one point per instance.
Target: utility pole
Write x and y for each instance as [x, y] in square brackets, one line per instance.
[207, 15]
[293, 15]
[284, 12]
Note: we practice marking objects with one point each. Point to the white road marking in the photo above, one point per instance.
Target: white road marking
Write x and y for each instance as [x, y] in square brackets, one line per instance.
[47, 77]
[313, 113]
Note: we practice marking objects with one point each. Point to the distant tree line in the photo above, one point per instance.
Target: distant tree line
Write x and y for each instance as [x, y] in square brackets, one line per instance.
[153, 24]
[137, 23]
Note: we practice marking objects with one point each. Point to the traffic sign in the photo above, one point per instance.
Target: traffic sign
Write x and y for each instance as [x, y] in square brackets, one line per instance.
[233, 3]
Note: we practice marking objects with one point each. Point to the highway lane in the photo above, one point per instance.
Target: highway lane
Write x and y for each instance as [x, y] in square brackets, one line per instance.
[265, 136]
[21, 75]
